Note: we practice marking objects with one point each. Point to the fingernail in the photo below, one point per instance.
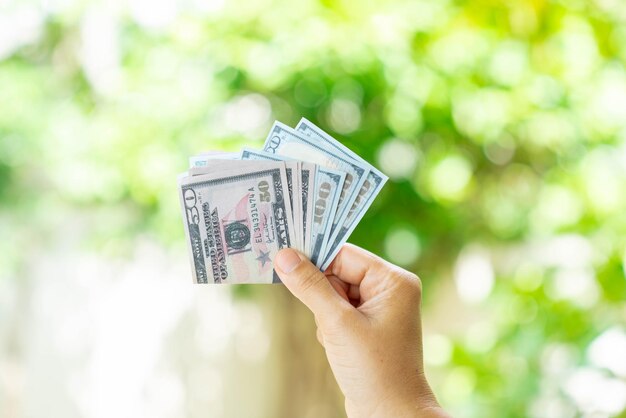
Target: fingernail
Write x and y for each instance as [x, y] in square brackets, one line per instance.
[287, 260]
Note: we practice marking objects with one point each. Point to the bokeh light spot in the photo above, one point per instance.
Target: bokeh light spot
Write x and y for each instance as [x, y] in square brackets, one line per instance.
[397, 158]
[596, 393]
[450, 177]
[459, 384]
[402, 246]
[437, 349]
[481, 337]
[404, 115]
[344, 116]
[508, 63]
[474, 275]
[608, 350]
[528, 277]
[247, 114]
[576, 285]
[558, 206]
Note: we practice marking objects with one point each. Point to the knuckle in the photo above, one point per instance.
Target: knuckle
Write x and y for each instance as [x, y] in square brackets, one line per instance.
[411, 283]
[415, 281]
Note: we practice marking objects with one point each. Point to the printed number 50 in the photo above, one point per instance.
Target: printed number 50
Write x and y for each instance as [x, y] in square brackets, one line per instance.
[264, 191]
[193, 216]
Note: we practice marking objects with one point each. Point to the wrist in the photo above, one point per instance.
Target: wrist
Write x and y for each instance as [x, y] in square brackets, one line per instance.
[412, 400]
[408, 408]
[419, 402]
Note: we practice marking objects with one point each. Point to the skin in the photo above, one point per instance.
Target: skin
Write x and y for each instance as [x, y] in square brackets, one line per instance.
[367, 312]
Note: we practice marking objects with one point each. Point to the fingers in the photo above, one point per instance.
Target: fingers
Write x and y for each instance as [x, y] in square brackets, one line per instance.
[352, 264]
[309, 284]
[340, 286]
[367, 275]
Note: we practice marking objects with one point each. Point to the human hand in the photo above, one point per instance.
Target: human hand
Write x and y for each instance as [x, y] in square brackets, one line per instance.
[368, 316]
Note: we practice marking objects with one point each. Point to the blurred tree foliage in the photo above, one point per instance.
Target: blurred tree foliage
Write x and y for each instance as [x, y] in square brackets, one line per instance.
[501, 124]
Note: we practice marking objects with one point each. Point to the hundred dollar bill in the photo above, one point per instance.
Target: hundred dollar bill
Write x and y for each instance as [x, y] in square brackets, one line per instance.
[293, 180]
[308, 174]
[328, 186]
[284, 140]
[237, 220]
[366, 195]
[298, 203]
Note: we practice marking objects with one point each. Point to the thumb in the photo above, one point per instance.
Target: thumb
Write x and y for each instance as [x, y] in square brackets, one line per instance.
[308, 283]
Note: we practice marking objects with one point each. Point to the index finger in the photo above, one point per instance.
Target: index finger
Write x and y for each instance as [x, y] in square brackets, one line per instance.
[352, 264]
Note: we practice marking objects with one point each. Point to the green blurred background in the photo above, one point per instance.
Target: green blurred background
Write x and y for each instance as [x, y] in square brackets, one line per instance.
[502, 127]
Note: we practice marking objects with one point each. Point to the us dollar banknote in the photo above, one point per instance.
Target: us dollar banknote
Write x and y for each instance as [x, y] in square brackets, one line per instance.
[365, 196]
[293, 183]
[304, 190]
[284, 140]
[328, 185]
[308, 174]
[235, 223]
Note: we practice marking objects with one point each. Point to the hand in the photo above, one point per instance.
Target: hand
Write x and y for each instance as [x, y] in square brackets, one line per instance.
[368, 316]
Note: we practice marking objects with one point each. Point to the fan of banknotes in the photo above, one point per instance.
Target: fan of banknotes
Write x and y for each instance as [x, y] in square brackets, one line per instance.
[303, 190]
